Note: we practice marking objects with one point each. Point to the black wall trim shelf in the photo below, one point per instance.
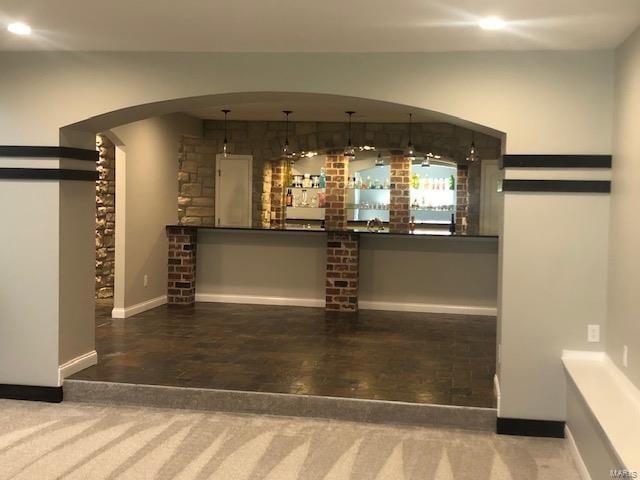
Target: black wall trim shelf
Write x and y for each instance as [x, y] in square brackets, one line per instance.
[556, 161]
[48, 152]
[47, 174]
[530, 428]
[570, 186]
[30, 392]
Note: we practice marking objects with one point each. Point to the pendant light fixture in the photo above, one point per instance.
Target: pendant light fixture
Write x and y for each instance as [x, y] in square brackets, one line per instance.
[410, 151]
[472, 154]
[349, 150]
[379, 160]
[225, 143]
[286, 149]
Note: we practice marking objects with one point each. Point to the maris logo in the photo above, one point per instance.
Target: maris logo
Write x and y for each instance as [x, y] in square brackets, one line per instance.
[623, 474]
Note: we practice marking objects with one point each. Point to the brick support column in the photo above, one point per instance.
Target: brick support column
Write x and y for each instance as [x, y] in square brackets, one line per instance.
[181, 287]
[399, 204]
[343, 252]
[336, 183]
[462, 200]
[279, 174]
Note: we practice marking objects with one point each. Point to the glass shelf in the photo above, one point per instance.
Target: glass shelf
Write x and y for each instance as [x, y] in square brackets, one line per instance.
[358, 207]
[308, 188]
[432, 209]
[371, 189]
[308, 206]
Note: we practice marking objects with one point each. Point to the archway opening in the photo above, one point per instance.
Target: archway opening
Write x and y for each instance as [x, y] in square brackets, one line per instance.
[407, 288]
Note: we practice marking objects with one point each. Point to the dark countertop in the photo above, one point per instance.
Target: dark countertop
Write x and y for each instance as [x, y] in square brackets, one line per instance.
[429, 233]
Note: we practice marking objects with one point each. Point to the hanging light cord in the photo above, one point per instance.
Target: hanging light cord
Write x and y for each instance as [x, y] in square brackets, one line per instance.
[225, 124]
[287, 113]
[410, 125]
[350, 144]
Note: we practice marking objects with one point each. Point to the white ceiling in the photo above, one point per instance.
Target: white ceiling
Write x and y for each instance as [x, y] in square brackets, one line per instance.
[319, 25]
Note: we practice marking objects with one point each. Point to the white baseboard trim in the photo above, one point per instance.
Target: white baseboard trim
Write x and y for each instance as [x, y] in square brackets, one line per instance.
[259, 300]
[76, 364]
[496, 390]
[575, 454]
[427, 308]
[363, 305]
[138, 307]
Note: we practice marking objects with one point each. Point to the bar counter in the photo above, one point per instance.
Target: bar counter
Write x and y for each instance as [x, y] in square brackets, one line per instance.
[342, 271]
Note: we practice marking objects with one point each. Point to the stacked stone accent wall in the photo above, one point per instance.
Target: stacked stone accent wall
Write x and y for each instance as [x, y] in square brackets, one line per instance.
[343, 253]
[336, 169]
[105, 217]
[462, 202]
[181, 287]
[399, 198]
[196, 170]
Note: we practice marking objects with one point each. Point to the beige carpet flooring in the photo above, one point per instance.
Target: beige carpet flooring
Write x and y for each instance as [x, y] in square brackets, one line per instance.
[80, 441]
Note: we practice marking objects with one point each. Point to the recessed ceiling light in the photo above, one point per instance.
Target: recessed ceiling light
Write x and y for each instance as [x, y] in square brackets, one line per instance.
[19, 28]
[492, 23]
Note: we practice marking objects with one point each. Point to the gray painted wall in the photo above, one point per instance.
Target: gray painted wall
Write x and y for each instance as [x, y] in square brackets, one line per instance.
[400, 270]
[624, 254]
[151, 184]
[77, 278]
[443, 271]
[263, 264]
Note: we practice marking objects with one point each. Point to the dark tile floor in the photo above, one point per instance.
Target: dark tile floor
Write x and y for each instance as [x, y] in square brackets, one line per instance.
[410, 357]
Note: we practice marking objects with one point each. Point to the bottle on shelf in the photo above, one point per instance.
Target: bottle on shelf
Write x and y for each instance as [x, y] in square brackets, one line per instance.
[323, 179]
[289, 198]
[452, 225]
[415, 181]
[452, 183]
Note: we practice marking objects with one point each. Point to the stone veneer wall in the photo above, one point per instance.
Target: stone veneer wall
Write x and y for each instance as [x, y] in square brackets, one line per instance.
[263, 140]
[196, 173]
[105, 217]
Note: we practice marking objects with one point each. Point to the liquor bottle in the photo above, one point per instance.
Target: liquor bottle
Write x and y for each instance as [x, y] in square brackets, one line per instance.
[289, 198]
[415, 181]
[323, 179]
[452, 225]
[452, 183]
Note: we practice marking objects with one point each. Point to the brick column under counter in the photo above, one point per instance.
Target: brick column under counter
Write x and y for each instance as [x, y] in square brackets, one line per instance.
[399, 198]
[335, 216]
[462, 200]
[343, 252]
[181, 286]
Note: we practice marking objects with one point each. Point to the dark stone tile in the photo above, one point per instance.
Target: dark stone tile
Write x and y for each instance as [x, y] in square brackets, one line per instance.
[397, 356]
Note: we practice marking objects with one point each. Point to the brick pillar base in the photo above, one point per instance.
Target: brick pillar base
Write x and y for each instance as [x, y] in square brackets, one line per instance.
[343, 254]
[399, 208]
[181, 287]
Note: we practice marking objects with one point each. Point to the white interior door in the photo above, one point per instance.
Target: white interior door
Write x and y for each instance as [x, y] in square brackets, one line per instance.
[233, 190]
[490, 207]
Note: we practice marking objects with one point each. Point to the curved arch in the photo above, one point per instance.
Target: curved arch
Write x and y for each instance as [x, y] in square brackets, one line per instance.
[268, 105]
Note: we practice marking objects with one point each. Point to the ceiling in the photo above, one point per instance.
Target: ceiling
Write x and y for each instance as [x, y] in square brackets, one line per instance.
[308, 107]
[320, 25]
